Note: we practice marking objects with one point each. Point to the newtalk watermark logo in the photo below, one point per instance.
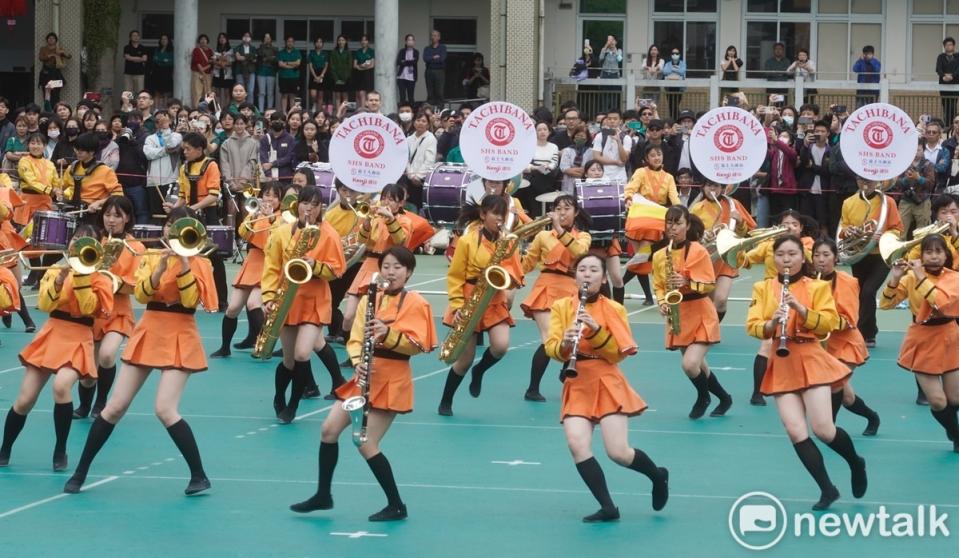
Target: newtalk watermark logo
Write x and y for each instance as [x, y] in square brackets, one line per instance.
[758, 521]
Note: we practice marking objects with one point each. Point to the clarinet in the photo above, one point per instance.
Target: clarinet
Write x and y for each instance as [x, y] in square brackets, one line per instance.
[569, 371]
[368, 346]
[783, 350]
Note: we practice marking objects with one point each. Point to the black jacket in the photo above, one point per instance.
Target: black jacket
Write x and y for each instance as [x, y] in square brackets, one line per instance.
[401, 61]
[808, 170]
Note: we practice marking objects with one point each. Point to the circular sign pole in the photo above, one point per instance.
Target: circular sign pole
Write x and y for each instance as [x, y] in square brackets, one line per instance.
[498, 140]
[878, 141]
[728, 145]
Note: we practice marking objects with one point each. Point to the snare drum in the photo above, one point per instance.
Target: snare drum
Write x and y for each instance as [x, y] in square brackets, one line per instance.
[141, 232]
[603, 201]
[323, 174]
[223, 237]
[52, 230]
[444, 193]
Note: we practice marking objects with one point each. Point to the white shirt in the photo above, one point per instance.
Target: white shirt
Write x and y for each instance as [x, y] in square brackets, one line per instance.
[817, 154]
[931, 153]
[407, 71]
[611, 151]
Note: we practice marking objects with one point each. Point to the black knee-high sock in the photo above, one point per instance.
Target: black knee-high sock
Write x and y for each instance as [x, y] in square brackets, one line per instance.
[62, 419]
[24, 311]
[860, 408]
[643, 464]
[100, 431]
[485, 363]
[715, 387]
[85, 395]
[759, 370]
[619, 294]
[11, 429]
[721, 316]
[605, 290]
[453, 381]
[302, 376]
[328, 358]
[255, 320]
[105, 377]
[836, 404]
[538, 368]
[185, 442]
[946, 417]
[329, 455]
[227, 329]
[644, 283]
[627, 277]
[811, 458]
[842, 444]
[281, 379]
[384, 475]
[595, 480]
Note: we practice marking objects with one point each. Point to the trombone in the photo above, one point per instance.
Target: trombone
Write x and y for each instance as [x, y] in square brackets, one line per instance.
[186, 238]
[83, 256]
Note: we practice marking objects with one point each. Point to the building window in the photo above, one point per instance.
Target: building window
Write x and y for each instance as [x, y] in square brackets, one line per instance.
[777, 6]
[680, 6]
[762, 35]
[930, 23]
[598, 19]
[695, 39]
[304, 31]
[459, 33]
[154, 25]
[602, 6]
[322, 28]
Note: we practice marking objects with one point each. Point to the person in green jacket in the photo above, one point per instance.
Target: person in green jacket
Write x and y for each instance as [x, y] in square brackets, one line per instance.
[266, 56]
[289, 60]
[341, 66]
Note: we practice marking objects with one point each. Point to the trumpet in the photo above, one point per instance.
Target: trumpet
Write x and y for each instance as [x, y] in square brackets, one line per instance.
[251, 205]
[186, 238]
[83, 256]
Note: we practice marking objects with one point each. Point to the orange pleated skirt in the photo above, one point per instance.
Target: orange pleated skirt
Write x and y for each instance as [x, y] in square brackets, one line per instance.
[391, 386]
[31, 204]
[848, 346]
[808, 365]
[61, 344]
[644, 228]
[251, 272]
[722, 269]
[311, 305]
[496, 313]
[361, 283]
[166, 340]
[599, 390]
[548, 288]
[10, 240]
[699, 323]
[121, 320]
[614, 249]
[930, 349]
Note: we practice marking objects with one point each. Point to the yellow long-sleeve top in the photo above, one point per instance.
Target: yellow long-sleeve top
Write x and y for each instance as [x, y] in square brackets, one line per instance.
[556, 252]
[764, 253]
[9, 291]
[474, 250]
[409, 318]
[343, 219]
[612, 342]
[856, 211]
[329, 262]
[38, 175]
[692, 261]
[256, 230]
[383, 235]
[711, 214]
[96, 184]
[926, 297]
[656, 186]
[187, 287]
[80, 296]
[952, 244]
[821, 314]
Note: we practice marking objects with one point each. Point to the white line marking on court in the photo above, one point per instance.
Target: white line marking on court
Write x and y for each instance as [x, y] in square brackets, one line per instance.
[443, 278]
[128, 472]
[53, 498]
[516, 462]
[359, 534]
[14, 369]
[725, 368]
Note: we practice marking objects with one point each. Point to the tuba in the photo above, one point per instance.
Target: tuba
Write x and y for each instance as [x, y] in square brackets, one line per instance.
[892, 249]
[855, 242]
[672, 298]
[358, 406]
[495, 278]
[295, 273]
[710, 236]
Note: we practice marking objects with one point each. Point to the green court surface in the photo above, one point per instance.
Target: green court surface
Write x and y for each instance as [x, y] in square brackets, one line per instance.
[495, 480]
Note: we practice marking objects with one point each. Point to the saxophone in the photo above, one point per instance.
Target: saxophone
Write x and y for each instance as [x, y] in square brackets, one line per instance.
[496, 278]
[295, 273]
[673, 298]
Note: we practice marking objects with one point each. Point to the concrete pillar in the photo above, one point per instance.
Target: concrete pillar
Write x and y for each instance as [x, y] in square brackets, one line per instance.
[386, 13]
[59, 16]
[516, 80]
[186, 14]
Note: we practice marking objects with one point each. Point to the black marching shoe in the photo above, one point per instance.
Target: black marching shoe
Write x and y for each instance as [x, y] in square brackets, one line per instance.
[279, 403]
[4, 459]
[330, 396]
[197, 485]
[278, 353]
[757, 400]
[873, 427]
[661, 489]
[75, 483]
[245, 344]
[445, 409]
[97, 409]
[859, 479]
[725, 402]
[389, 513]
[921, 399]
[220, 353]
[313, 503]
[59, 461]
[534, 396]
[604, 514]
[81, 412]
[7, 320]
[826, 499]
[955, 446]
[311, 392]
[30, 327]
[287, 415]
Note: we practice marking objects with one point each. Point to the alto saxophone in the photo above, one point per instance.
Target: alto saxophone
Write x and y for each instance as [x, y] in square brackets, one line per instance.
[295, 272]
[496, 278]
[673, 298]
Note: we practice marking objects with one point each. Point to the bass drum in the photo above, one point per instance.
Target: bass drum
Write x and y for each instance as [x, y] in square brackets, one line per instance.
[445, 192]
[603, 201]
[325, 180]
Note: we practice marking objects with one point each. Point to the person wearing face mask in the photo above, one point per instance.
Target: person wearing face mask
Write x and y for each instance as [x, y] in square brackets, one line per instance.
[245, 55]
[108, 152]
[573, 159]
[404, 116]
[63, 154]
[51, 131]
[674, 70]
[277, 150]
[407, 63]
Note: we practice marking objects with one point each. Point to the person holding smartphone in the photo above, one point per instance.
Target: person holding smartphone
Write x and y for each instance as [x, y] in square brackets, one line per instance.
[53, 58]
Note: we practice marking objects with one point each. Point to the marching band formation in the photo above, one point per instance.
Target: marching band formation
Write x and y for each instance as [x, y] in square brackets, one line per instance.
[318, 244]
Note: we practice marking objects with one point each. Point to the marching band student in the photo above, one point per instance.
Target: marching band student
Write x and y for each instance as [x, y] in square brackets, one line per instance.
[609, 250]
[9, 292]
[499, 188]
[347, 224]
[166, 338]
[692, 275]
[310, 310]
[928, 349]
[63, 347]
[255, 229]
[39, 182]
[10, 202]
[845, 343]
[554, 252]
[717, 210]
[472, 256]
[109, 332]
[764, 253]
[599, 336]
[88, 181]
[402, 327]
[944, 210]
[858, 209]
[801, 380]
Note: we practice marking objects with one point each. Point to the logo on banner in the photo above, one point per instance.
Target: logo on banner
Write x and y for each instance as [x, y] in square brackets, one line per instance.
[500, 132]
[877, 135]
[368, 144]
[728, 138]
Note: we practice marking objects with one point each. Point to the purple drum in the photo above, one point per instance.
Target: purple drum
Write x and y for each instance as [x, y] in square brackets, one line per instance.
[323, 173]
[603, 201]
[141, 232]
[444, 193]
[223, 237]
[52, 230]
